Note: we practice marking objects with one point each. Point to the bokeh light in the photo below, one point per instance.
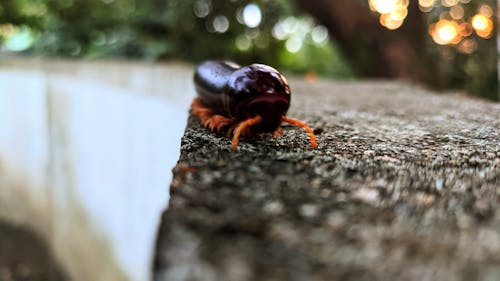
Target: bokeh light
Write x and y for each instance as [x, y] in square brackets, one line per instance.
[486, 11]
[297, 32]
[426, 5]
[449, 3]
[457, 12]
[201, 8]
[17, 39]
[445, 32]
[243, 43]
[294, 44]
[221, 24]
[319, 34]
[455, 24]
[480, 22]
[384, 6]
[467, 46]
[7, 30]
[252, 16]
[463, 36]
[387, 21]
[392, 12]
[465, 29]
[279, 31]
[482, 25]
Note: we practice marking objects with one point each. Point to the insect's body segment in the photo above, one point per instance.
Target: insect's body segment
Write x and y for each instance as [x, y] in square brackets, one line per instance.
[251, 99]
[210, 80]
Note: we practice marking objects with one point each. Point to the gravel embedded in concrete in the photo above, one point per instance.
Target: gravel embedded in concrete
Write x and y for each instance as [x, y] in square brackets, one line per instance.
[405, 185]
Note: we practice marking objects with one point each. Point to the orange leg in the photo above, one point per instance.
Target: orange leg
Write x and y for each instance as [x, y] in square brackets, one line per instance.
[208, 118]
[242, 127]
[278, 133]
[303, 125]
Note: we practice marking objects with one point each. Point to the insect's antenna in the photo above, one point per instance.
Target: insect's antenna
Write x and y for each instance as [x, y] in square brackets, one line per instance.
[241, 127]
[303, 125]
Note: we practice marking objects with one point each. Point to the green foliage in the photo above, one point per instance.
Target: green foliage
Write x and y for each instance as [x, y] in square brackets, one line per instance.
[167, 29]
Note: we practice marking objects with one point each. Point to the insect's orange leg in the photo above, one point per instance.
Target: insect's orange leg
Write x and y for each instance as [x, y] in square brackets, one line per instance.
[242, 127]
[219, 121]
[278, 133]
[303, 125]
[200, 110]
[208, 118]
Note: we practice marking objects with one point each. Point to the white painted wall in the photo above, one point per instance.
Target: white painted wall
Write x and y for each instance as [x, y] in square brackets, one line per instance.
[91, 158]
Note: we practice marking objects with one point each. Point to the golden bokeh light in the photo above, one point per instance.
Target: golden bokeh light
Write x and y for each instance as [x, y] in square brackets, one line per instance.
[486, 11]
[480, 22]
[445, 32]
[426, 3]
[399, 14]
[392, 12]
[482, 25]
[455, 25]
[465, 29]
[467, 46]
[388, 22]
[449, 3]
[383, 6]
[457, 12]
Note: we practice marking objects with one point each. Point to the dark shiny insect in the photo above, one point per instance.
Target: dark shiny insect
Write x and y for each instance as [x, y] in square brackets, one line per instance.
[249, 100]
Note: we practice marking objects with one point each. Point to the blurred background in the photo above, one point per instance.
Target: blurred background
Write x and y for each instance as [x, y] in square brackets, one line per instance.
[94, 97]
[443, 44]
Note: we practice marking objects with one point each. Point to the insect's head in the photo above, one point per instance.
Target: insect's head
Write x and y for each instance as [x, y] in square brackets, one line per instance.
[260, 90]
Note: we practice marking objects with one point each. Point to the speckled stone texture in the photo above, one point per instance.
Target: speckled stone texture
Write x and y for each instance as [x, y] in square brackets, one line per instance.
[405, 185]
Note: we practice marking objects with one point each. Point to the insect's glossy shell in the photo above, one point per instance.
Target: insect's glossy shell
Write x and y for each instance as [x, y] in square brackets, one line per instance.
[244, 92]
[210, 80]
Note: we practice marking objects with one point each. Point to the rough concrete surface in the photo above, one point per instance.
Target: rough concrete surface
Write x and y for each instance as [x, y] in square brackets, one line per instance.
[405, 185]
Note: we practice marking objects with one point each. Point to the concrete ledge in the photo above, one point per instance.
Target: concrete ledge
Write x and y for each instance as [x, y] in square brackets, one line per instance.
[405, 185]
[86, 150]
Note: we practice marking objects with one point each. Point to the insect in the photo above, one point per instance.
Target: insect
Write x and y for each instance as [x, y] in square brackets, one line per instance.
[248, 100]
